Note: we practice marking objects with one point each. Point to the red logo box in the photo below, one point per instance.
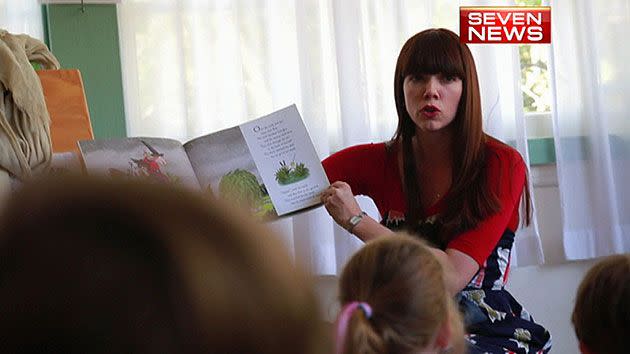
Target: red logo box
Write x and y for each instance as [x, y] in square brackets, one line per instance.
[512, 24]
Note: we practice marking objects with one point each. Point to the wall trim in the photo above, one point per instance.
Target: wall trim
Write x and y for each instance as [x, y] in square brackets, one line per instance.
[544, 175]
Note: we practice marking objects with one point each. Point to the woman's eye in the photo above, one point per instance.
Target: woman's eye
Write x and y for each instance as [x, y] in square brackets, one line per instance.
[416, 78]
[450, 78]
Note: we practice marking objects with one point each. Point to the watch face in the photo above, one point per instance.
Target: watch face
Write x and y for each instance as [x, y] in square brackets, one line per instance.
[355, 219]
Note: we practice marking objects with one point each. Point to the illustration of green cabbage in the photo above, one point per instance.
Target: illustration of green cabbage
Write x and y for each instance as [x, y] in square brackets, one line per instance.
[241, 186]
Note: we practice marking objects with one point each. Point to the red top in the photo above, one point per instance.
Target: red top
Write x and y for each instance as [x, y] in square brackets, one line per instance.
[372, 170]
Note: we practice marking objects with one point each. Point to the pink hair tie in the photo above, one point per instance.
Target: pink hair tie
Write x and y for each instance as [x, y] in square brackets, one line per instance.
[344, 318]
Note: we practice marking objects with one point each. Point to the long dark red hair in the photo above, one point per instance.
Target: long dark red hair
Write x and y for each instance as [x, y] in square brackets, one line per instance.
[470, 199]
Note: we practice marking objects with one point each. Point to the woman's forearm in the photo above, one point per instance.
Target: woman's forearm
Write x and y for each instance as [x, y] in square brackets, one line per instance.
[369, 229]
[458, 268]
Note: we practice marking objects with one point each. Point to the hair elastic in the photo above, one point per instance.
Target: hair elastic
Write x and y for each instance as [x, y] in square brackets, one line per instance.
[344, 318]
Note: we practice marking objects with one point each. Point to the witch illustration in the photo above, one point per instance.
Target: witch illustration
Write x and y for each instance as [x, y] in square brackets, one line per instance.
[151, 163]
[149, 166]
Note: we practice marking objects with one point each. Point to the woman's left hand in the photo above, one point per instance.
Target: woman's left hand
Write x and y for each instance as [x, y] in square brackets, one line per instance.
[340, 203]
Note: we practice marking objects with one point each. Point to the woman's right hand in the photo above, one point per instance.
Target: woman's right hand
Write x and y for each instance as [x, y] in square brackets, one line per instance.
[340, 203]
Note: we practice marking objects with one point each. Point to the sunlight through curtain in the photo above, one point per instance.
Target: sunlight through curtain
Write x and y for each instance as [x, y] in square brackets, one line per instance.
[591, 125]
[23, 16]
[194, 67]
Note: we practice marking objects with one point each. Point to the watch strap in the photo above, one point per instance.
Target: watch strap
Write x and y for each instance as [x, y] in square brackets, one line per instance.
[355, 220]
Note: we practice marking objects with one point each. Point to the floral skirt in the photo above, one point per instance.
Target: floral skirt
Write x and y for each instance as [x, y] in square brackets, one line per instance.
[497, 323]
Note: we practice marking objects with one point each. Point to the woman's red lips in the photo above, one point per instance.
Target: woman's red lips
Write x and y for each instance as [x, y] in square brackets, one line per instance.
[430, 111]
[430, 108]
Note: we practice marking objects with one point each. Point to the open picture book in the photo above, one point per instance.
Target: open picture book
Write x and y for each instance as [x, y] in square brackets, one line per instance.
[268, 165]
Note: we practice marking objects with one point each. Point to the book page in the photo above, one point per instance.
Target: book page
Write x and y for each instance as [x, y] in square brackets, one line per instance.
[268, 165]
[151, 159]
[225, 168]
[63, 163]
[286, 159]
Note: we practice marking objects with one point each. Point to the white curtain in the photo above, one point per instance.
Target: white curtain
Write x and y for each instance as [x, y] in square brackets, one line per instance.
[591, 124]
[23, 16]
[194, 67]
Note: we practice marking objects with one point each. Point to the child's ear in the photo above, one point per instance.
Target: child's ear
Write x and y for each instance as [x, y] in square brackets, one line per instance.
[443, 339]
[584, 349]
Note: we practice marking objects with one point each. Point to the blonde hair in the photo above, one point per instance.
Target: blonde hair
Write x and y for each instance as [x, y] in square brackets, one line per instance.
[89, 265]
[601, 316]
[402, 281]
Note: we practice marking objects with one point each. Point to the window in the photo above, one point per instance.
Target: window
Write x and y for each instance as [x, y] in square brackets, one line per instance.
[535, 84]
[22, 17]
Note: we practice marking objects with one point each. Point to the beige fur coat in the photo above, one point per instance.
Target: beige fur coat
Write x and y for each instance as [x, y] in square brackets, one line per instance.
[25, 145]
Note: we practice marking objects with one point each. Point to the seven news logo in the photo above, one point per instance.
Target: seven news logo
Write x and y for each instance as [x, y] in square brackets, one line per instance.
[489, 24]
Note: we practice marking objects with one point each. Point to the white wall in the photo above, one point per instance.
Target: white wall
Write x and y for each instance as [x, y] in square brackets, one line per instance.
[547, 291]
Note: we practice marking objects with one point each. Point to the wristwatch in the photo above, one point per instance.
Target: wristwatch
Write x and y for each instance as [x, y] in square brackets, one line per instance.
[355, 220]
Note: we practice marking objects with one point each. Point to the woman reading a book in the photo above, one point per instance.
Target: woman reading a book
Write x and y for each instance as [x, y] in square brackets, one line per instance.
[443, 178]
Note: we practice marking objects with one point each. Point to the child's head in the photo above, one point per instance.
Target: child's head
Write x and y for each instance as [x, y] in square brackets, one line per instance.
[601, 315]
[97, 266]
[394, 300]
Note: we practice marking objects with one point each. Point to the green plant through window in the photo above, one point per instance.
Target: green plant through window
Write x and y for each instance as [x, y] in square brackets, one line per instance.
[535, 84]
